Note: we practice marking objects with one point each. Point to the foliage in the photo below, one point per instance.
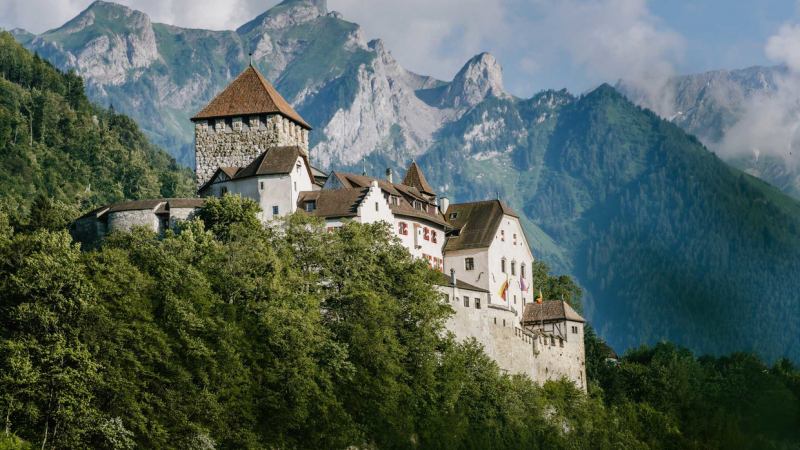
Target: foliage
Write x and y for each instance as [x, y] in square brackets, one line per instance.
[289, 336]
[58, 150]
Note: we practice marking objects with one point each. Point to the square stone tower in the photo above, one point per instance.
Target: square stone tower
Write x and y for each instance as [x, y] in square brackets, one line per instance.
[241, 122]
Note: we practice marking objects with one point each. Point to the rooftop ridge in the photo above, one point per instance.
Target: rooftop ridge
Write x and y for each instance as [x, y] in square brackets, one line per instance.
[249, 94]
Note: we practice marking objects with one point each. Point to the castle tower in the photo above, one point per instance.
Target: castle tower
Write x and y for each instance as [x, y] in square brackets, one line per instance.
[241, 122]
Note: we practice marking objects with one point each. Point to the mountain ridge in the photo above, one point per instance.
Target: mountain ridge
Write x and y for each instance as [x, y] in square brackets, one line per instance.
[593, 174]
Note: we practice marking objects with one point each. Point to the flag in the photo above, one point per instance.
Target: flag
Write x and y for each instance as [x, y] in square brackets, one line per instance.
[539, 299]
[522, 286]
[504, 289]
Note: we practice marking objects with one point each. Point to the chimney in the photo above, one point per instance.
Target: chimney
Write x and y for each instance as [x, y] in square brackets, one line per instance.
[452, 277]
[389, 174]
[444, 203]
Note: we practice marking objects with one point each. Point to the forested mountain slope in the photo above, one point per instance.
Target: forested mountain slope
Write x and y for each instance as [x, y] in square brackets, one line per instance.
[55, 144]
[669, 241]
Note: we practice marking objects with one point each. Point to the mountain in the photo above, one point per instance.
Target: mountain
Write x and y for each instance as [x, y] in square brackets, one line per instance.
[747, 116]
[668, 240]
[54, 143]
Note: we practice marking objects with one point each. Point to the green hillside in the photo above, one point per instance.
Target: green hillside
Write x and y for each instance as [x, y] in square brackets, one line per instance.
[55, 144]
[669, 241]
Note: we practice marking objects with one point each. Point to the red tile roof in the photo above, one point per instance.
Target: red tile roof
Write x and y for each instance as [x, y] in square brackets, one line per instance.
[249, 94]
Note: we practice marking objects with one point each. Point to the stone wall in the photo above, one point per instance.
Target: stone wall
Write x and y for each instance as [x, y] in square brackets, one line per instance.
[235, 142]
[493, 326]
[562, 358]
[125, 221]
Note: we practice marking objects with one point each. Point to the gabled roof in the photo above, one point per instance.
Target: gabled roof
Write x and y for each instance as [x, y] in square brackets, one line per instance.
[415, 178]
[249, 94]
[477, 222]
[272, 161]
[405, 194]
[549, 311]
[332, 203]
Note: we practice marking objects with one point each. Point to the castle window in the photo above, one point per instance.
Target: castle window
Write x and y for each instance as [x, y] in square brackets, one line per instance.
[574, 330]
[261, 185]
[515, 299]
[298, 166]
[513, 267]
[311, 205]
[522, 270]
[504, 322]
[477, 303]
[515, 238]
[433, 236]
[560, 342]
[275, 210]
[426, 233]
[295, 186]
[402, 228]
[552, 341]
[469, 263]
[495, 320]
[503, 237]
[466, 301]
[377, 208]
[503, 265]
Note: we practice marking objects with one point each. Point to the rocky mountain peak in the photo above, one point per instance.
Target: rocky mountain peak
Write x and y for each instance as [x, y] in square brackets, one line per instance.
[286, 14]
[480, 77]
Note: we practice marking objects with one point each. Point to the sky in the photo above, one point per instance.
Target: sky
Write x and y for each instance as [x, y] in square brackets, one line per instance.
[541, 44]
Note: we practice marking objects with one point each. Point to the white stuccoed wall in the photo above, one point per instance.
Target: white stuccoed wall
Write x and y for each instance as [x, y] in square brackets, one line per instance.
[517, 251]
[415, 241]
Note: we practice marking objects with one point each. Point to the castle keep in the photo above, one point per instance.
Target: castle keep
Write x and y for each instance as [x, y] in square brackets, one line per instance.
[250, 142]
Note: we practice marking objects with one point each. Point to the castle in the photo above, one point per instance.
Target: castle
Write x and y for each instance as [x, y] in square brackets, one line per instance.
[249, 141]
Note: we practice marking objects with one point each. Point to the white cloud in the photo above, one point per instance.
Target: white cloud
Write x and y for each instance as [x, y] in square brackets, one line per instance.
[613, 39]
[770, 121]
[784, 47]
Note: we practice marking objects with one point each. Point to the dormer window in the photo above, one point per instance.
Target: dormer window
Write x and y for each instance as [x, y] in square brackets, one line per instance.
[311, 205]
[453, 215]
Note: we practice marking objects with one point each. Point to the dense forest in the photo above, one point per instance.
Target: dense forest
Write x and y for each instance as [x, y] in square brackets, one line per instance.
[229, 334]
[55, 146]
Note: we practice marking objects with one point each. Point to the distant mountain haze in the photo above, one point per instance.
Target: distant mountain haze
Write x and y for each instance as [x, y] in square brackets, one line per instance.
[669, 241]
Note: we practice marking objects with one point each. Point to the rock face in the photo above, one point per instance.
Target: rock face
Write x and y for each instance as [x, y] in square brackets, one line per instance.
[366, 109]
[481, 77]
